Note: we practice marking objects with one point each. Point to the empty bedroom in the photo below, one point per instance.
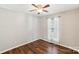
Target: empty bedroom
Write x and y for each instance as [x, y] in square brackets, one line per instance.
[39, 28]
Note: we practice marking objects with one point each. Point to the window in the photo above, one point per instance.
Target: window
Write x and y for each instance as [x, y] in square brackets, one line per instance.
[53, 29]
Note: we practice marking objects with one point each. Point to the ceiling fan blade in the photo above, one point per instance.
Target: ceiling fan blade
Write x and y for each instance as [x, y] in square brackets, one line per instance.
[46, 6]
[34, 5]
[45, 10]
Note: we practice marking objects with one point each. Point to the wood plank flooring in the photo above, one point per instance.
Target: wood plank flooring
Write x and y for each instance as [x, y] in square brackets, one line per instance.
[41, 47]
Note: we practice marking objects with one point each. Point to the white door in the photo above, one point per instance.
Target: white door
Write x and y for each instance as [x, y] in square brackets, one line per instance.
[53, 29]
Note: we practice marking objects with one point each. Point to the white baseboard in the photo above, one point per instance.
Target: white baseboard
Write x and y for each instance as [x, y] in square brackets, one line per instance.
[63, 45]
[17, 46]
[69, 47]
[35, 40]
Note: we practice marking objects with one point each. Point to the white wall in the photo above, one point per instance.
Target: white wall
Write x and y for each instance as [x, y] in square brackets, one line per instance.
[69, 28]
[69, 22]
[43, 27]
[16, 29]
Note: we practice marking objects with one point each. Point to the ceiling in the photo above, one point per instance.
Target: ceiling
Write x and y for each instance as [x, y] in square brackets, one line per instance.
[54, 8]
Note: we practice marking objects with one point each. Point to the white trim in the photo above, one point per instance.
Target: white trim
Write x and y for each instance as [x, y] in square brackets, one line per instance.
[18, 46]
[69, 47]
[62, 45]
[38, 39]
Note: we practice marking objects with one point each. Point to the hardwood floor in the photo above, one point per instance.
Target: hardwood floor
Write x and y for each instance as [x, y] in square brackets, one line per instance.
[41, 47]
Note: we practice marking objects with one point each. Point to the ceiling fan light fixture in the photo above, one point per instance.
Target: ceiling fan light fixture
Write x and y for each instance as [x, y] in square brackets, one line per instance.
[40, 8]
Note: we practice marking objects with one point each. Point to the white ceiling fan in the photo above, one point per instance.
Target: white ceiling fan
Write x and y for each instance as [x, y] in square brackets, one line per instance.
[40, 8]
